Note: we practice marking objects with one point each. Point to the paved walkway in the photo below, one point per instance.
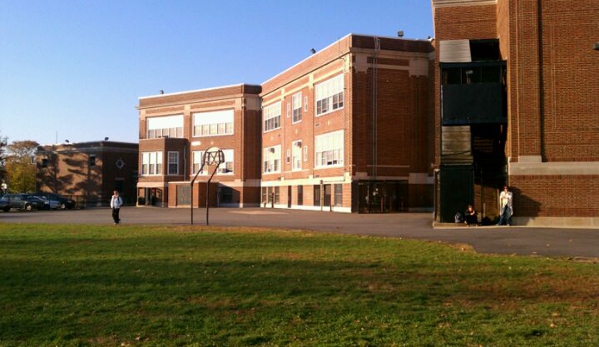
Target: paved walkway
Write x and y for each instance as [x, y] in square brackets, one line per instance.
[553, 242]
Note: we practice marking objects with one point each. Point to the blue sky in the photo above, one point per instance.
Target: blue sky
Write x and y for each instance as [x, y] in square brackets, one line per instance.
[74, 69]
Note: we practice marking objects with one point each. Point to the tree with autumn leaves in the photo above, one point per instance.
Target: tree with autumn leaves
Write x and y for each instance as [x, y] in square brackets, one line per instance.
[19, 163]
[2, 162]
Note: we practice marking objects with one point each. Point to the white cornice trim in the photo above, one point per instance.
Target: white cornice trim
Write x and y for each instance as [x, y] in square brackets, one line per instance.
[553, 168]
[456, 3]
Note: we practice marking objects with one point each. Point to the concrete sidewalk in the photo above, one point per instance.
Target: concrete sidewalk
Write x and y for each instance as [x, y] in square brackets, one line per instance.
[554, 242]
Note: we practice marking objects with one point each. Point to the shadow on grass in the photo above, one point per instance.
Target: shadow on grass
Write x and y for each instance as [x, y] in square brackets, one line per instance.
[164, 288]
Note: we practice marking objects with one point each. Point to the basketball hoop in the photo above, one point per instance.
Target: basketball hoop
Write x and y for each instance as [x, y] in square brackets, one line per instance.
[213, 156]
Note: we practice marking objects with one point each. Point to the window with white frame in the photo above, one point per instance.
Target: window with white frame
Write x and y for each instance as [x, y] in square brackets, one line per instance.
[272, 117]
[272, 159]
[227, 166]
[296, 153]
[165, 126]
[213, 123]
[296, 100]
[329, 149]
[197, 161]
[329, 95]
[173, 163]
[151, 163]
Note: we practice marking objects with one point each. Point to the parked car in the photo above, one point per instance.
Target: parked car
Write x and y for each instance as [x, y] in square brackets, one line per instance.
[64, 202]
[25, 202]
[52, 203]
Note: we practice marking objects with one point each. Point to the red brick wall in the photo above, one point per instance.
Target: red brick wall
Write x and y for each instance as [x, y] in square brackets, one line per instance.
[556, 195]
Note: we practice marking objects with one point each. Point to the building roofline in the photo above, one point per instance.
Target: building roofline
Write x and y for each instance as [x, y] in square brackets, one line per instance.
[197, 90]
[336, 43]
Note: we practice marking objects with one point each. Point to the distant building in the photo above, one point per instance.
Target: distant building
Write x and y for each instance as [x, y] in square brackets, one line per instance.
[175, 130]
[88, 172]
[516, 103]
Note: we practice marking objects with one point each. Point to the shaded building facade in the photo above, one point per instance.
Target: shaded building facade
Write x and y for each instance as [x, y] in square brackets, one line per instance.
[88, 172]
[516, 85]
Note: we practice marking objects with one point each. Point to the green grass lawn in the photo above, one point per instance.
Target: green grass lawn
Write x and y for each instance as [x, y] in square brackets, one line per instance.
[74, 285]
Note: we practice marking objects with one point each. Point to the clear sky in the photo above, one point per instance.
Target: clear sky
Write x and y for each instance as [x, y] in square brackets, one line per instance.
[75, 69]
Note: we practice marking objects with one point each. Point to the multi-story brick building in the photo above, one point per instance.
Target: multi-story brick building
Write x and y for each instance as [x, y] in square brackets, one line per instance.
[88, 172]
[516, 103]
[175, 130]
[348, 128]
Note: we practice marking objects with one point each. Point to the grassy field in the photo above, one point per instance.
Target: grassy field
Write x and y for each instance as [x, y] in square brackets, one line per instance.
[69, 285]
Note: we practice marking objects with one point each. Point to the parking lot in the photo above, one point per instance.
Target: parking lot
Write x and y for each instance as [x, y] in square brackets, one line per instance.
[554, 242]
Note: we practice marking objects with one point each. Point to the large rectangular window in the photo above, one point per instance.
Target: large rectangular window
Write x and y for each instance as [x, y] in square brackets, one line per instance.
[213, 123]
[272, 159]
[165, 126]
[272, 117]
[227, 166]
[297, 107]
[173, 163]
[296, 153]
[151, 163]
[338, 194]
[329, 149]
[197, 161]
[329, 95]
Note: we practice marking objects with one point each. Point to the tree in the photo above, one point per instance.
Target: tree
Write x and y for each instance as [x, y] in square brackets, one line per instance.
[20, 168]
[3, 141]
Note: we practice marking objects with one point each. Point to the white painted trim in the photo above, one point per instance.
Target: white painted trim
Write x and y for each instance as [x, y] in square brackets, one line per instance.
[456, 3]
[190, 91]
[557, 222]
[553, 168]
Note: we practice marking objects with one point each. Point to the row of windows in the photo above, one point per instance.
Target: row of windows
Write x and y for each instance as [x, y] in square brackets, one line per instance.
[329, 152]
[151, 163]
[204, 124]
[329, 96]
[323, 194]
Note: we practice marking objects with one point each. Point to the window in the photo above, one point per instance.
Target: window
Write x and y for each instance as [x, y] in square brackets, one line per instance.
[272, 117]
[227, 166]
[329, 149]
[173, 163]
[329, 95]
[300, 195]
[338, 195]
[272, 159]
[297, 107]
[213, 123]
[296, 149]
[151, 163]
[92, 160]
[166, 126]
[44, 162]
[198, 160]
[316, 201]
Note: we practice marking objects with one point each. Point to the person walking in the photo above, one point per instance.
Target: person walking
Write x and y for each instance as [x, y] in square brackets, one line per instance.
[506, 207]
[115, 204]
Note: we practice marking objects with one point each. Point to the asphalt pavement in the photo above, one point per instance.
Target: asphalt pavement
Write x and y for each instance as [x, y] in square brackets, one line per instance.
[550, 242]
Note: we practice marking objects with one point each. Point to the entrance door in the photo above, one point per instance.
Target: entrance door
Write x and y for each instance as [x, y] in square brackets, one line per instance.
[289, 197]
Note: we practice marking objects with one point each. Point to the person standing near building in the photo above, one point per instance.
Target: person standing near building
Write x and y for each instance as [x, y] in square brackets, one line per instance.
[505, 207]
[115, 204]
